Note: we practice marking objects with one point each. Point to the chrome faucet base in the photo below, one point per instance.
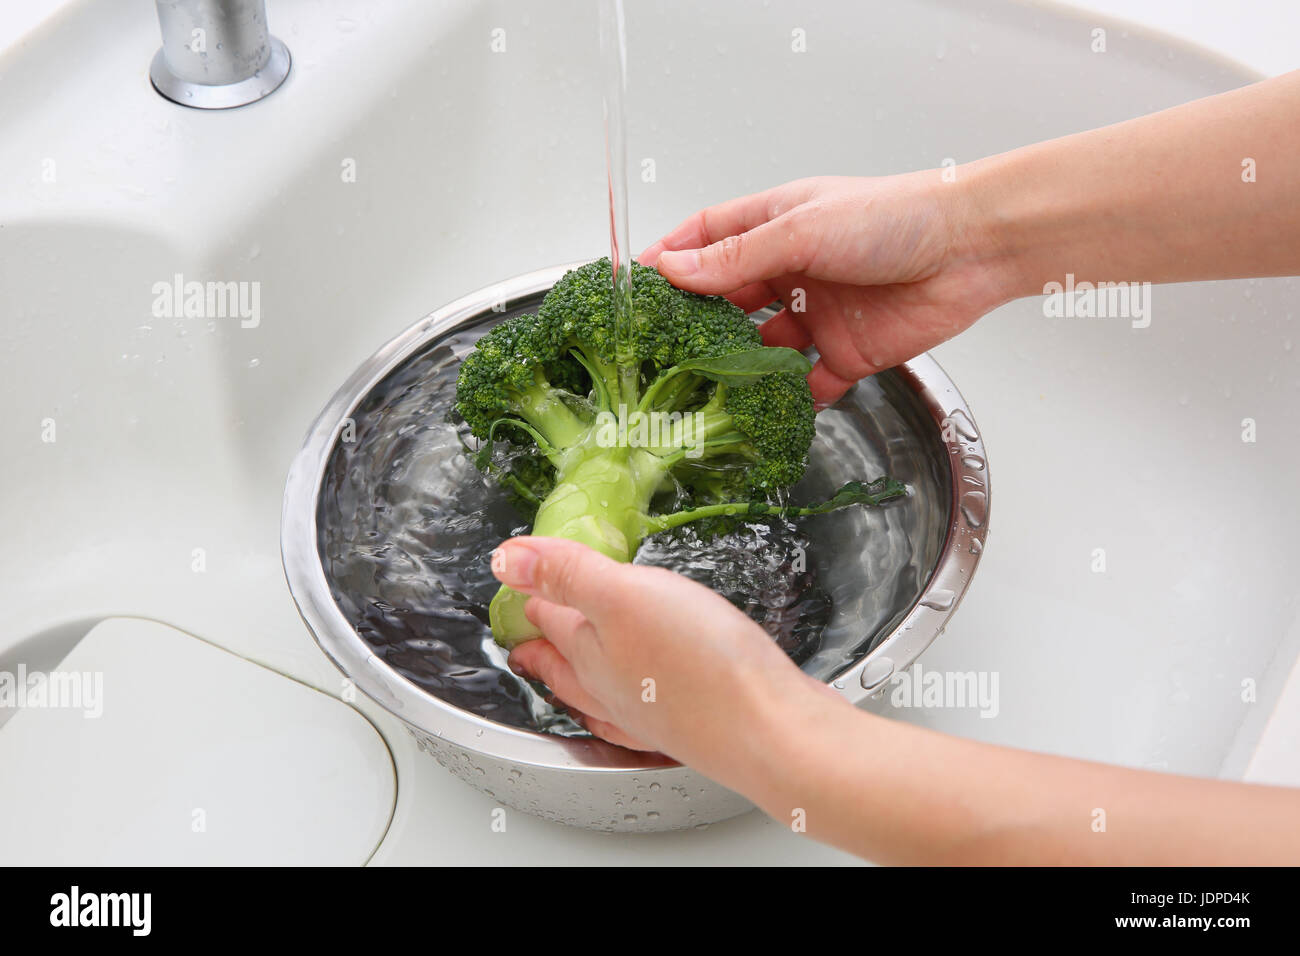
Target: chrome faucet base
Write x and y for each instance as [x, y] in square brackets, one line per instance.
[217, 54]
[206, 97]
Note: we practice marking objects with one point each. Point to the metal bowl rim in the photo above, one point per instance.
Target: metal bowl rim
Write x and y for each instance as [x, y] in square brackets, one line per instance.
[423, 711]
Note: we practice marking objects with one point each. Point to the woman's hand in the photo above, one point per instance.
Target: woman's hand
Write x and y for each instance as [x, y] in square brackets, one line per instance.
[649, 658]
[870, 271]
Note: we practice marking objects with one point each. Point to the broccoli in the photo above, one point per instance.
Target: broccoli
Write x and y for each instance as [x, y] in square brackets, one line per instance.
[691, 407]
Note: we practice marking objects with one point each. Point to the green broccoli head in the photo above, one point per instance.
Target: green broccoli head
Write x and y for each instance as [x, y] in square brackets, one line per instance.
[690, 399]
[557, 371]
[777, 415]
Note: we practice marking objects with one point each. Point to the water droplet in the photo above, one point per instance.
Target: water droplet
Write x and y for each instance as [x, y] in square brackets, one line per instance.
[876, 671]
[963, 425]
[939, 599]
[974, 508]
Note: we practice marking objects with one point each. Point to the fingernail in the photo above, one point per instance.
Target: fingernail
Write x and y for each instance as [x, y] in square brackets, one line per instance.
[684, 263]
[513, 564]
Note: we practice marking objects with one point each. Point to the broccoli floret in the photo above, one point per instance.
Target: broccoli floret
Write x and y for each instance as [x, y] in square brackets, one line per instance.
[690, 400]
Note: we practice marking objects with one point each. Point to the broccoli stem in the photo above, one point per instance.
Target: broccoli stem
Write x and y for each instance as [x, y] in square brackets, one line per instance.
[541, 406]
[705, 429]
[604, 379]
[740, 509]
[853, 493]
[665, 391]
[600, 499]
[629, 382]
[544, 446]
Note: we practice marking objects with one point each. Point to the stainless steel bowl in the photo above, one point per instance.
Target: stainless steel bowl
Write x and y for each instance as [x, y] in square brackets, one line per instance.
[895, 574]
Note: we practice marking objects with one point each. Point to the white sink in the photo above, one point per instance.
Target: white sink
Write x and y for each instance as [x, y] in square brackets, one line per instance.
[173, 435]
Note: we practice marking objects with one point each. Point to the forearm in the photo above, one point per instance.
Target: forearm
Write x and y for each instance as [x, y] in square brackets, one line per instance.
[895, 793]
[1156, 199]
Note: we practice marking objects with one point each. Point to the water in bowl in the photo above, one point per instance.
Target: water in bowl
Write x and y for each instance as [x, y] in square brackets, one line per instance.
[407, 524]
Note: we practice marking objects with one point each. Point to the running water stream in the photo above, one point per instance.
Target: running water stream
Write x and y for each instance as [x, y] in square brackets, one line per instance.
[613, 55]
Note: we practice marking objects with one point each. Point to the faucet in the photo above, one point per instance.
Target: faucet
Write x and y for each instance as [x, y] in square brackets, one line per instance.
[217, 53]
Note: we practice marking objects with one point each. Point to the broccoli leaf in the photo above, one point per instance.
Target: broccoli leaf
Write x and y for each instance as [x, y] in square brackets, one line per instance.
[745, 368]
[735, 368]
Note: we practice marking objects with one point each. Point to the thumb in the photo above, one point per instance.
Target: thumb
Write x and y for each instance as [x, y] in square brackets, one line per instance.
[560, 571]
[764, 252]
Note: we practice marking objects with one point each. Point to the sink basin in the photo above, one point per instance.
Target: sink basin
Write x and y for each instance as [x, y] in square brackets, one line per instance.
[159, 494]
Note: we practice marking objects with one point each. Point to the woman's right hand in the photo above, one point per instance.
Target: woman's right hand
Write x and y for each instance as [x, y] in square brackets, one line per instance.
[871, 271]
